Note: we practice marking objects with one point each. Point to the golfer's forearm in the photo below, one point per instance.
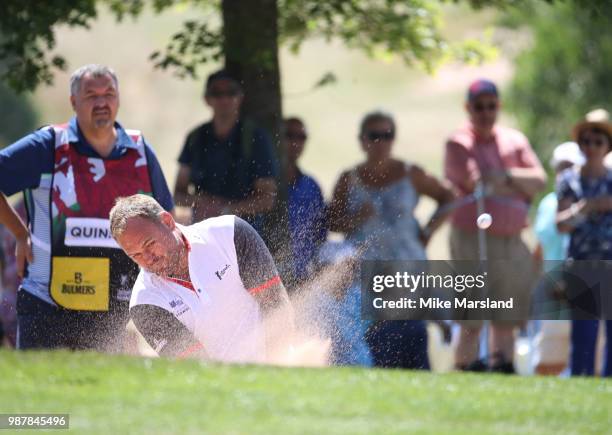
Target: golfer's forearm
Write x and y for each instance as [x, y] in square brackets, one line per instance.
[11, 220]
[164, 333]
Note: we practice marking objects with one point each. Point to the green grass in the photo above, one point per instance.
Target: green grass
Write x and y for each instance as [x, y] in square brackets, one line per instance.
[109, 394]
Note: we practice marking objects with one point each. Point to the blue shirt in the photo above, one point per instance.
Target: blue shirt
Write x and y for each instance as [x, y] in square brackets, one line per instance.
[554, 244]
[227, 167]
[27, 165]
[591, 239]
[307, 225]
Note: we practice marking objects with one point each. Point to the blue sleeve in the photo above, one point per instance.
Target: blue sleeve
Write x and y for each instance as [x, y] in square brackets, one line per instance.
[161, 192]
[321, 213]
[264, 158]
[22, 163]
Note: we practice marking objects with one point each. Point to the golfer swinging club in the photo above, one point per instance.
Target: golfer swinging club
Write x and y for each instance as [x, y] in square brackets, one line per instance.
[204, 290]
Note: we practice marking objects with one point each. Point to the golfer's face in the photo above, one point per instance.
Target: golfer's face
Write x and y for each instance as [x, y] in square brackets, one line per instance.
[151, 245]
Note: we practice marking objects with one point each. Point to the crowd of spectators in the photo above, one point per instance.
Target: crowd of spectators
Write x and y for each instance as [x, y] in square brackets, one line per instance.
[228, 166]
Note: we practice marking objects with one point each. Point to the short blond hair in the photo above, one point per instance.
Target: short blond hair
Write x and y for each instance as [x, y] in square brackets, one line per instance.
[125, 208]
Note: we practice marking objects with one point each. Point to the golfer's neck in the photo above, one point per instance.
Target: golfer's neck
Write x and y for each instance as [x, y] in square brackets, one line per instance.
[183, 264]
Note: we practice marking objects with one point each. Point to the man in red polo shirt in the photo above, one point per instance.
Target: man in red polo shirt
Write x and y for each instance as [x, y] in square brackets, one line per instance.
[502, 160]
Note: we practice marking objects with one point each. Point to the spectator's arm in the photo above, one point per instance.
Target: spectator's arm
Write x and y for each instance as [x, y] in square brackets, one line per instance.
[338, 217]
[528, 181]
[459, 168]
[181, 187]
[164, 333]
[264, 169]
[529, 178]
[429, 185]
[261, 199]
[570, 214]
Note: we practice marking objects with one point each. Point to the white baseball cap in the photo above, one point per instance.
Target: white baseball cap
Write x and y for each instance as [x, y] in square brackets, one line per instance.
[567, 152]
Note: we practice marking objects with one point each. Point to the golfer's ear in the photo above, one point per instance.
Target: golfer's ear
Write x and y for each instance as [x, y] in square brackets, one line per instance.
[167, 219]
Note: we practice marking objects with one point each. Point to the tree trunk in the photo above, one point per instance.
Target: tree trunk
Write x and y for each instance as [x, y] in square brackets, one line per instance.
[251, 53]
[250, 30]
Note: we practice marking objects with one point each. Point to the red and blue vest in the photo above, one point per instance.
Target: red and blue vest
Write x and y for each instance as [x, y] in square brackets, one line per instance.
[89, 272]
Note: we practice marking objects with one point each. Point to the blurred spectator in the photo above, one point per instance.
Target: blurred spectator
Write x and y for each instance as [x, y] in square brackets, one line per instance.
[227, 165]
[306, 207]
[373, 205]
[9, 281]
[77, 283]
[585, 211]
[502, 160]
[334, 309]
[552, 339]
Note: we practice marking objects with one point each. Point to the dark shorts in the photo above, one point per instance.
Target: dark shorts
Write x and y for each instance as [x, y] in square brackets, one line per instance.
[44, 326]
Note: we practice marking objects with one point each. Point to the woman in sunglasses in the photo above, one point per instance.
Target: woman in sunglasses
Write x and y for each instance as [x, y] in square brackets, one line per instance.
[306, 207]
[373, 205]
[585, 211]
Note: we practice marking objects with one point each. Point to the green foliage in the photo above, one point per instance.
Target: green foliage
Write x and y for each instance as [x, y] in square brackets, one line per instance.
[566, 73]
[196, 44]
[27, 29]
[16, 115]
[409, 29]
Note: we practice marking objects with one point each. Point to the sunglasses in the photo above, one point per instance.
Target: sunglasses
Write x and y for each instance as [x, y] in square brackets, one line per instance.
[220, 94]
[379, 135]
[598, 143]
[295, 136]
[479, 107]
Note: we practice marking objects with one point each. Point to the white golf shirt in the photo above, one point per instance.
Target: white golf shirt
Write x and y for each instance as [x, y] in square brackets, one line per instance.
[216, 308]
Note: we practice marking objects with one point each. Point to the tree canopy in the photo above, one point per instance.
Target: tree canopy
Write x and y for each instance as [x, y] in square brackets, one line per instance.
[409, 29]
[567, 71]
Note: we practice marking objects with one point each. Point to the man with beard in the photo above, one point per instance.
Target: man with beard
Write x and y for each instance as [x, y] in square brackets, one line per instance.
[77, 282]
[210, 289]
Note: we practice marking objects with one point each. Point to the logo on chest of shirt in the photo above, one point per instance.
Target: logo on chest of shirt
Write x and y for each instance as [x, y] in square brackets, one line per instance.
[177, 302]
[179, 307]
[221, 272]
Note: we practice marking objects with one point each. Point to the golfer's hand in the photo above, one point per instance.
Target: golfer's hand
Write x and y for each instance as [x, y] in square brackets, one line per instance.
[23, 252]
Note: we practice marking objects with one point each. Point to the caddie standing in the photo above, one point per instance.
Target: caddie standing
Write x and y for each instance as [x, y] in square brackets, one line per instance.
[77, 282]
